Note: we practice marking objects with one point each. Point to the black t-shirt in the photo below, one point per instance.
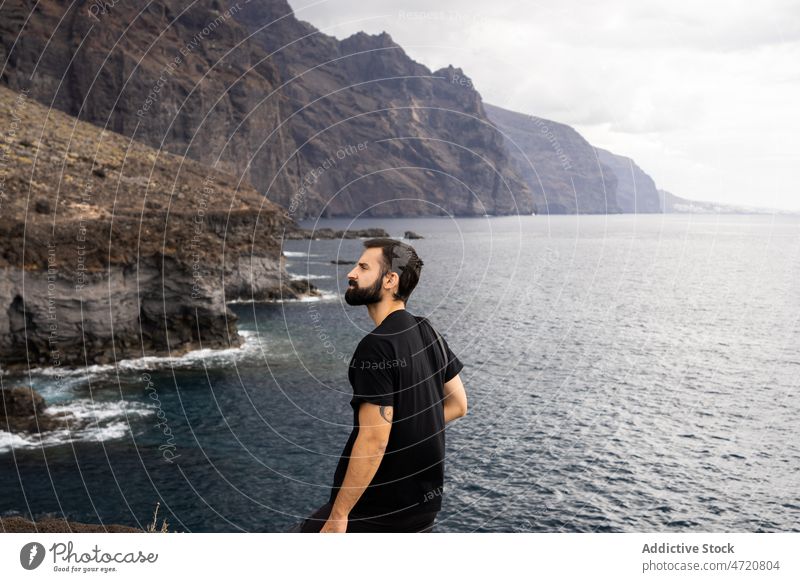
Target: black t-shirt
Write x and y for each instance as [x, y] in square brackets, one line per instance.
[400, 363]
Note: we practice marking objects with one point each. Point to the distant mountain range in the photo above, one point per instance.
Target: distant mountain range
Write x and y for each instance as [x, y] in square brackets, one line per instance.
[566, 174]
[320, 126]
[676, 204]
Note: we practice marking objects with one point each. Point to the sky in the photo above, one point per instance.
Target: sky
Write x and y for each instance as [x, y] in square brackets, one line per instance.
[702, 95]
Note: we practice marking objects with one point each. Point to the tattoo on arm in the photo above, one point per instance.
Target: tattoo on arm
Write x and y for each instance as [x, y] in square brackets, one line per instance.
[386, 413]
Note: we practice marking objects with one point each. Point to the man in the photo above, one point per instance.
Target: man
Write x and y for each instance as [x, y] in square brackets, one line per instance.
[406, 387]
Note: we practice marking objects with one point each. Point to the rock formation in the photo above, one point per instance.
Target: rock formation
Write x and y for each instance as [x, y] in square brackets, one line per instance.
[110, 249]
[22, 409]
[54, 524]
[330, 234]
[320, 126]
[559, 165]
[636, 191]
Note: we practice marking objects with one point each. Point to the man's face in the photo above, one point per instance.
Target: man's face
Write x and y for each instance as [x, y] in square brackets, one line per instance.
[364, 285]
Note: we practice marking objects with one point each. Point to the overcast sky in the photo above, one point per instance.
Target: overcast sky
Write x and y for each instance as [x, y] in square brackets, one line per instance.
[702, 95]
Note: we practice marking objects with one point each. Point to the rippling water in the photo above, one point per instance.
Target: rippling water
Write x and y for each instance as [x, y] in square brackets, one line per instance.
[625, 373]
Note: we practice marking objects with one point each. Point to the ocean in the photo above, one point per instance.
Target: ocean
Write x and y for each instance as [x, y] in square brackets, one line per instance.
[624, 373]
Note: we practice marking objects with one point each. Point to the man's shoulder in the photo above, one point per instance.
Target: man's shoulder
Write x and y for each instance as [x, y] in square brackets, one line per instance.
[374, 344]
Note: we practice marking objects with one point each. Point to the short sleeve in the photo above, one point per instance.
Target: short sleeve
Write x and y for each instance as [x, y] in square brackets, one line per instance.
[372, 373]
[454, 365]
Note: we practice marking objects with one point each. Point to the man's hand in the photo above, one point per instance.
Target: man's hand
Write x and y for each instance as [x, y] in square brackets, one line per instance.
[335, 524]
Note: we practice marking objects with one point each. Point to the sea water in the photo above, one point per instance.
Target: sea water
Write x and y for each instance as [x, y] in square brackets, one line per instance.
[624, 373]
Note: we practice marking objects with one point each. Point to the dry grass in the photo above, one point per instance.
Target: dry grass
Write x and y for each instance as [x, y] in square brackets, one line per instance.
[152, 527]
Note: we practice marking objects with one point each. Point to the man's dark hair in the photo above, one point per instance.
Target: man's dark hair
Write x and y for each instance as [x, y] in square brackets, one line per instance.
[400, 258]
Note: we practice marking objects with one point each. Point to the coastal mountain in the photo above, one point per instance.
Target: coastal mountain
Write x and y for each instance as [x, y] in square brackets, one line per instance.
[178, 77]
[676, 204]
[569, 175]
[111, 249]
[320, 126]
[561, 168]
[428, 146]
[671, 203]
[636, 190]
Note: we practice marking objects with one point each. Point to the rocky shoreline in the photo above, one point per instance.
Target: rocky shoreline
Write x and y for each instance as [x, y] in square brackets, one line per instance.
[330, 234]
[111, 250]
[18, 524]
[23, 410]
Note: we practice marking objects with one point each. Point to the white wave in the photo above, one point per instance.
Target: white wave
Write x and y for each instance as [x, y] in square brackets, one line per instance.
[299, 254]
[306, 263]
[98, 422]
[324, 296]
[10, 440]
[298, 277]
[99, 411]
[112, 431]
[189, 359]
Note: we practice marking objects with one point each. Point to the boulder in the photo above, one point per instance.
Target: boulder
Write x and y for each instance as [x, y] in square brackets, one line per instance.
[22, 409]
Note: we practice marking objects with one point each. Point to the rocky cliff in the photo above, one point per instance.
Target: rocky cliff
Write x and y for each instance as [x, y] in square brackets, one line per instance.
[636, 190]
[560, 166]
[321, 126]
[111, 249]
[428, 146]
[176, 76]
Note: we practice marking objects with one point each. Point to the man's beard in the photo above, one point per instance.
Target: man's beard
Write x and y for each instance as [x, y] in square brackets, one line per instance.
[366, 296]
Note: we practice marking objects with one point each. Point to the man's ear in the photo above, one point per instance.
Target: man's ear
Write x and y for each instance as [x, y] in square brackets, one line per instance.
[394, 278]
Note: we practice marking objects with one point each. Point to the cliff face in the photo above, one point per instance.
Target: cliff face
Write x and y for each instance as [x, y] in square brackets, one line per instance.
[371, 132]
[636, 191]
[110, 249]
[559, 165]
[431, 126]
[173, 75]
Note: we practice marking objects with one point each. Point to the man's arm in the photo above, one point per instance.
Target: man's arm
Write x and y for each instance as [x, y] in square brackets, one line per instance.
[374, 426]
[455, 399]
